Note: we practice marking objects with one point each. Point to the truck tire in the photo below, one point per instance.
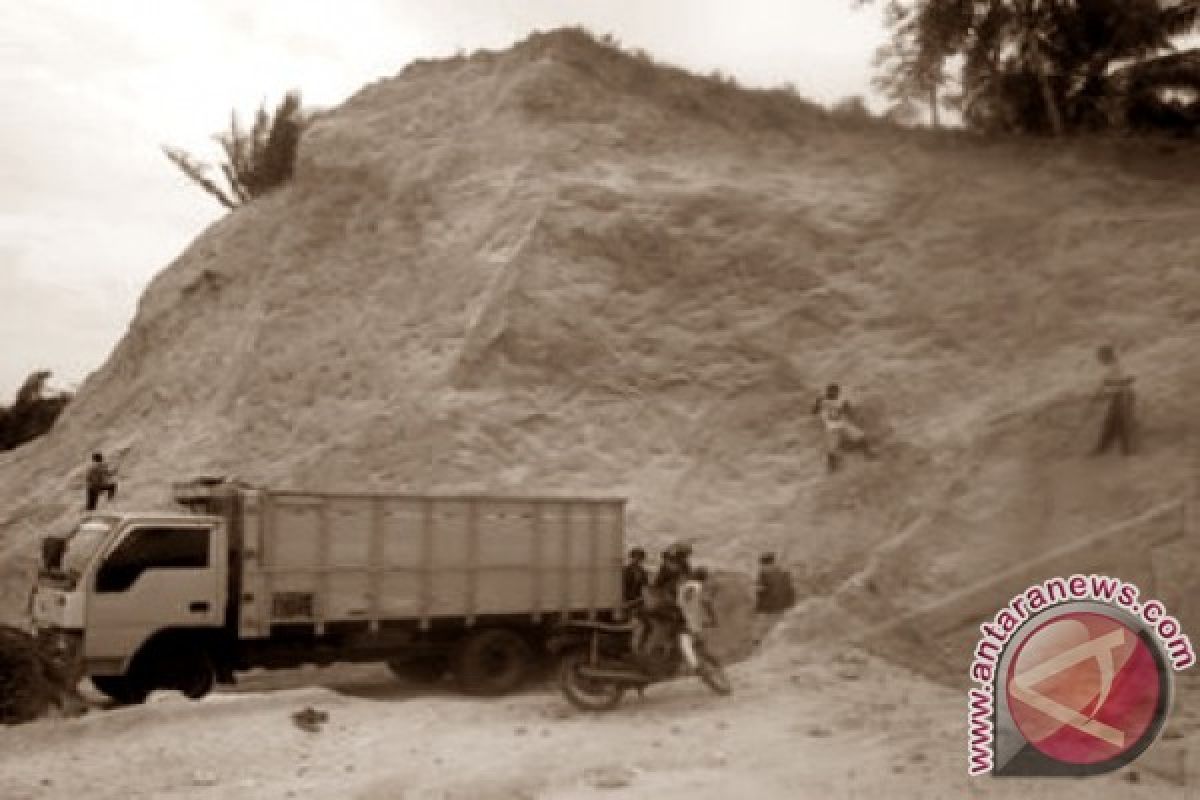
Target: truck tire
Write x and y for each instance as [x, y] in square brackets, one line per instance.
[425, 671]
[197, 677]
[175, 664]
[121, 689]
[492, 662]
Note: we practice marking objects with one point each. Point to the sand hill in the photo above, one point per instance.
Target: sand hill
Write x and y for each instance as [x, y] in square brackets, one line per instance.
[564, 268]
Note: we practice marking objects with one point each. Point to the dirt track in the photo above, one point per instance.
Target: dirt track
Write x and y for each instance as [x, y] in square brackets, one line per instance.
[800, 725]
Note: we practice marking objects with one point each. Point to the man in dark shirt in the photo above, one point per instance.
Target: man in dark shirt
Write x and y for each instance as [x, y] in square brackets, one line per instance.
[99, 480]
[634, 578]
[775, 590]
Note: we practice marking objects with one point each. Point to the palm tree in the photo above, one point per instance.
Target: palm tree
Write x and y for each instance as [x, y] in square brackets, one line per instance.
[256, 160]
[1004, 40]
[33, 412]
[1039, 63]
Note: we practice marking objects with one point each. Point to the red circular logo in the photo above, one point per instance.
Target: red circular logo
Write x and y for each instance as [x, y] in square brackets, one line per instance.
[1084, 688]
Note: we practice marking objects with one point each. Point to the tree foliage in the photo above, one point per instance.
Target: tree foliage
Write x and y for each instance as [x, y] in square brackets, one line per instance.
[853, 107]
[257, 159]
[1028, 65]
[911, 69]
[33, 412]
[1162, 94]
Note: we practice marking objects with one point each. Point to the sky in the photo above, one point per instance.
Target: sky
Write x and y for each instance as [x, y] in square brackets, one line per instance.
[90, 210]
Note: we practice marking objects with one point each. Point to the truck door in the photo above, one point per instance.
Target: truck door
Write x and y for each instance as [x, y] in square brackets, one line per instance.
[155, 576]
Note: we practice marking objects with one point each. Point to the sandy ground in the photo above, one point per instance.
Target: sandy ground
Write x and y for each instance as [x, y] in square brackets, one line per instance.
[800, 725]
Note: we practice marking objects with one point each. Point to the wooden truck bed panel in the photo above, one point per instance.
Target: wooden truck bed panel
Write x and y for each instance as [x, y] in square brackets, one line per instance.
[321, 559]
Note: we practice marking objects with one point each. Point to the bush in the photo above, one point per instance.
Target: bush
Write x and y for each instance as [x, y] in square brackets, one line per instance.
[26, 690]
[853, 107]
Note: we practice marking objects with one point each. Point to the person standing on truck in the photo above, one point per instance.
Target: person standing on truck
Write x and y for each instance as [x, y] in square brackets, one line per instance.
[840, 428]
[1117, 388]
[100, 479]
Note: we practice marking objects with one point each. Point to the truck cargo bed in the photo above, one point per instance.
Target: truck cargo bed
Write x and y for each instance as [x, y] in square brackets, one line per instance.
[320, 558]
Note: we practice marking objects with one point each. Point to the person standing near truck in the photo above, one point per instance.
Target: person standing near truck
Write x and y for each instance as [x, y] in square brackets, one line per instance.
[695, 610]
[1117, 388]
[775, 592]
[634, 578]
[100, 479]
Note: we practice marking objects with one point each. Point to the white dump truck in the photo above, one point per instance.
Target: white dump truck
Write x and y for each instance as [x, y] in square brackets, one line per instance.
[239, 578]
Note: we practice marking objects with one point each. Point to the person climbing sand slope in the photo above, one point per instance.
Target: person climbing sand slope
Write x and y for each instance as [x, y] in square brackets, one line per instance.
[841, 429]
[1117, 388]
[100, 479]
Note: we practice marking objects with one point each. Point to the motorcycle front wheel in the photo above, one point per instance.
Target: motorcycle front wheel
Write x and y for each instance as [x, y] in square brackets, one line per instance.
[586, 694]
[713, 674]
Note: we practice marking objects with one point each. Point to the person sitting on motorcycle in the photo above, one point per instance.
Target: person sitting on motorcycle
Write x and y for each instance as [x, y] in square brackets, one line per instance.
[693, 608]
[674, 569]
[661, 596]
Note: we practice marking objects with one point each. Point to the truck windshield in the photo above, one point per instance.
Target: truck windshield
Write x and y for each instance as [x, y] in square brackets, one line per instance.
[81, 546]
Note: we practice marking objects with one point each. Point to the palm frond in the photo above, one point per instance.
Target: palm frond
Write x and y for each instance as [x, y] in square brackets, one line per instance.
[256, 160]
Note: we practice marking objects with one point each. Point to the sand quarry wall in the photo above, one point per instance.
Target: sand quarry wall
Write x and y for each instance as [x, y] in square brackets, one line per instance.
[562, 268]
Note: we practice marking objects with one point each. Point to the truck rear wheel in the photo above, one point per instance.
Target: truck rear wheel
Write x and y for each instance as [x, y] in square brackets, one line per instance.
[493, 661]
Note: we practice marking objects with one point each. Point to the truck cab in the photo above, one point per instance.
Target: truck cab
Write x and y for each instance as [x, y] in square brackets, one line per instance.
[126, 599]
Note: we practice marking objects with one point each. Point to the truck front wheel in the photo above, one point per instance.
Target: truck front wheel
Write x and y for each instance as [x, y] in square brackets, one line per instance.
[492, 661]
[174, 664]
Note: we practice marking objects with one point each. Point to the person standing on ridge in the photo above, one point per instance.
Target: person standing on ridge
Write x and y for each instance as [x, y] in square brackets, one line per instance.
[1117, 387]
[100, 479]
[840, 430]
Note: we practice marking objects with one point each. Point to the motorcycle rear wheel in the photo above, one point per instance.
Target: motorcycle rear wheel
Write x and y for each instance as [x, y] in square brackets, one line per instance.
[586, 694]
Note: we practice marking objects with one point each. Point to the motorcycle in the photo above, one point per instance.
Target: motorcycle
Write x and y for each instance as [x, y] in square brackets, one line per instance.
[606, 659]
